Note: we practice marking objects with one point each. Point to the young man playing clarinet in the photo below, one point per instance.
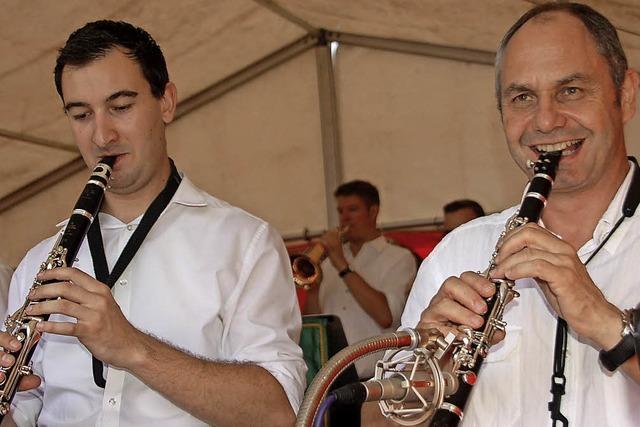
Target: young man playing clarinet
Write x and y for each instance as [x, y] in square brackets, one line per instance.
[201, 324]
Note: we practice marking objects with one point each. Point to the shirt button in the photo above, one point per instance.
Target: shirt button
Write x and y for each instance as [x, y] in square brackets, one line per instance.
[112, 401]
[129, 227]
[123, 282]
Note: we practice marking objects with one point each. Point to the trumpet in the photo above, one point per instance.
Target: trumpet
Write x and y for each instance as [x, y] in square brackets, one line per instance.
[306, 266]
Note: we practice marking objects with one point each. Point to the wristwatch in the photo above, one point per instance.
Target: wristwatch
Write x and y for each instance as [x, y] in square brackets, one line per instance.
[625, 349]
[345, 271]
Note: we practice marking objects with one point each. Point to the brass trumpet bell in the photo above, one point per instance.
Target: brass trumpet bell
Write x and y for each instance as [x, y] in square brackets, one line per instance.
[306, 266]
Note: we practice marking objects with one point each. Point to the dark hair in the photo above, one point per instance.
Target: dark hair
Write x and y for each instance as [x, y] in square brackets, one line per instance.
[456, 205]
[600, 28]
[96, 39]
[365, 190]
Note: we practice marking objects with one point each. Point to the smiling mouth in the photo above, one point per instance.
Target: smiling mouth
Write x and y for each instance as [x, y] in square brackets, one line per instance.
[567, 147]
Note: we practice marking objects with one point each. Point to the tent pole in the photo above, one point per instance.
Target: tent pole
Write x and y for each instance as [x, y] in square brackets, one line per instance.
[244, 75]
[42, 183]
[474, 56]
[416, 225]
[286, 14]
[29, 139]
[330, 135]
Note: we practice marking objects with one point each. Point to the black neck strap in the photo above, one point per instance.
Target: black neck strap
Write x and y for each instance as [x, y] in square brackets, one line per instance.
[558, 379]
[636, 334]
[96, 246]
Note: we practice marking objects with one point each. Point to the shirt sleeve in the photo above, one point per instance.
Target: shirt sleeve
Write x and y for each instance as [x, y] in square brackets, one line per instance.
[396, 279]
[262, 317]
[428, 281]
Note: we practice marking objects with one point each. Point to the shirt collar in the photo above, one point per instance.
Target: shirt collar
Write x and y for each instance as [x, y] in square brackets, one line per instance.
[609, 218]
[378, 244]
[187, 195]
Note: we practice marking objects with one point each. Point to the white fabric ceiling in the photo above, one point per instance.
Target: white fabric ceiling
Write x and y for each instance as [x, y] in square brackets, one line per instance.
[413, 109]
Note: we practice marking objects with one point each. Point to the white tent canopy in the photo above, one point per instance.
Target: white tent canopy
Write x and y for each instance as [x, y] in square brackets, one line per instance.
[270, 119]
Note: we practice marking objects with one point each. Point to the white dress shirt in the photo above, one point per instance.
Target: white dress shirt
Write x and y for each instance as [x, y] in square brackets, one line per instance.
[5, 278]
[209, 278]
[387, 268]
[515, 379]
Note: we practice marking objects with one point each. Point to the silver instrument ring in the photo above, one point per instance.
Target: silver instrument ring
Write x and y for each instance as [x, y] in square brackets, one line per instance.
[543, 176]
[415, 337]
[96, 182]
[105, 166]
[536, 196]
[83, 213]
[452, 408]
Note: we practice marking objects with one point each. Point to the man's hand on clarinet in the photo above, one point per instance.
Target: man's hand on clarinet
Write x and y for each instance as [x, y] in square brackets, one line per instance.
[7, 360]
[100, 324]
[459, 301]
[532, 251]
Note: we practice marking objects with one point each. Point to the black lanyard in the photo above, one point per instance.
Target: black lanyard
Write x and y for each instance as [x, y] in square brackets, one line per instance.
[636, 334]
[96, 246]
[558, 379]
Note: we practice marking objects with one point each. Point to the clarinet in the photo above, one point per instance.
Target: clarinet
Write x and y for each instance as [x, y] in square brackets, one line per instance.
[22, 326]
[469, 354]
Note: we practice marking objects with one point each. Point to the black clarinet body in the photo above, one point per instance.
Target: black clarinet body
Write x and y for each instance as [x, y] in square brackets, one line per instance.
[468, 356]
[22, 326]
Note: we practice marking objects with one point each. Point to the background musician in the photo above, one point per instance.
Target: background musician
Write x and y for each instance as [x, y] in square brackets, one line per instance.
[460, 212]
[562, 83]
[364, 276]
[190, 332]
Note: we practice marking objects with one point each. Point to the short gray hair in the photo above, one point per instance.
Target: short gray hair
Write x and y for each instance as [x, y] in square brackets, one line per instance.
[600, 28]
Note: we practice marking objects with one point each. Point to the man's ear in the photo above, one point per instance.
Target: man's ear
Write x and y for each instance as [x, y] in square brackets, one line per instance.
[168, 102]
[373, 210]
[628, 93]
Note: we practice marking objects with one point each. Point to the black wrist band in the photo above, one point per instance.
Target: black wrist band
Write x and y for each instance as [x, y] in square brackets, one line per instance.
[345, 271]
[625, 349]
[619, 354]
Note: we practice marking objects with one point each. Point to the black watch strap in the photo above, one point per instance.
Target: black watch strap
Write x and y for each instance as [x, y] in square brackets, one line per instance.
[623, 351]
[345, 271]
